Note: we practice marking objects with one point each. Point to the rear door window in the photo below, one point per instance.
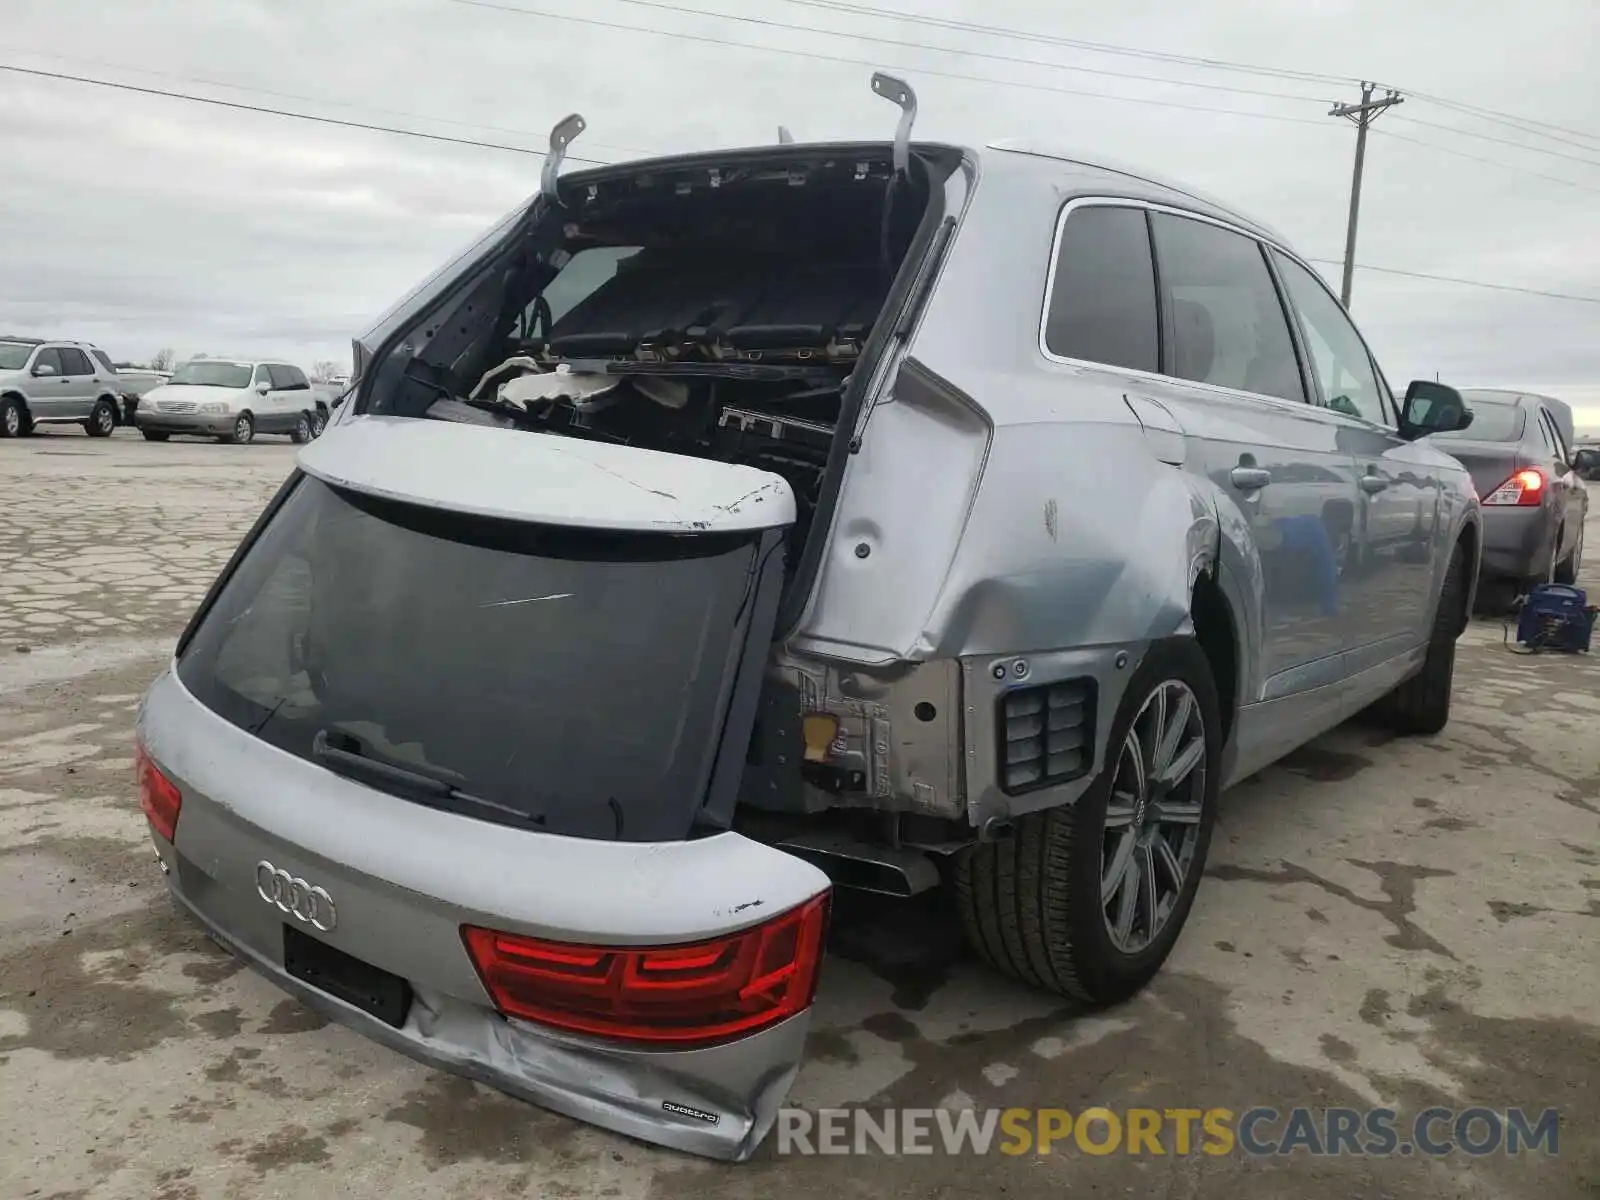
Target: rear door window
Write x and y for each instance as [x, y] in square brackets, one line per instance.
[577, 678]
[1226, 324]
[1552, 436]
[1102, 300]
[104, 359]
[74, 361]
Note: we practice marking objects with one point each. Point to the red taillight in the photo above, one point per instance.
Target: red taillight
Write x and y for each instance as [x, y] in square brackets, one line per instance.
[158, 795]
[682, 995]
[1525, 488]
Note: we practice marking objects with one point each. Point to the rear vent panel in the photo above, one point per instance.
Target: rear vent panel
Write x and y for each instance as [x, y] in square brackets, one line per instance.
[1046, 734]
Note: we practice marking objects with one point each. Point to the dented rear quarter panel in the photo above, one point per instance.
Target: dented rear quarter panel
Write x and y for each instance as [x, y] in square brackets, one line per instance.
[997, 496]
[1002, 504]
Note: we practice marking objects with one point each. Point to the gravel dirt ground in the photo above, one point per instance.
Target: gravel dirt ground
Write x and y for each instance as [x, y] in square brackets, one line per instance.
[1397, 923]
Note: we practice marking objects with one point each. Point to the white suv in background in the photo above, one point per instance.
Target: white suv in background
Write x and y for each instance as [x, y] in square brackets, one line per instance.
[56, 383]
[232, 400]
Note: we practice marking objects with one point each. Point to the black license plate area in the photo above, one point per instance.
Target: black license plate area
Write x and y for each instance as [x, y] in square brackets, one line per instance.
[369, 988]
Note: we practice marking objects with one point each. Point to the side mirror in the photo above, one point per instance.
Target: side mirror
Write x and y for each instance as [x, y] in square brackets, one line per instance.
[43, 369]
[1585, 461]
[1432, 408]
[263, 387]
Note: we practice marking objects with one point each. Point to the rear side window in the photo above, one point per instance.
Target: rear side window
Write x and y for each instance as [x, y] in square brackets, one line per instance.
[1552, 435]
[75, 361]
[1226, 324]
[1102, 305]
[104, 359]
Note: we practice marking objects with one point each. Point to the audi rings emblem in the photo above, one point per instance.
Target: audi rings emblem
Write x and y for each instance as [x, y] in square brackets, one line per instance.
[304, 902]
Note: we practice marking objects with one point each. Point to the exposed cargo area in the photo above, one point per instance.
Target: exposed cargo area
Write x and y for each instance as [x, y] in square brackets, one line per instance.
[719, 307]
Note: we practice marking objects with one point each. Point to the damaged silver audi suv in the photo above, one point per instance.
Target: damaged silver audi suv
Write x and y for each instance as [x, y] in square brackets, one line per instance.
[723, 529]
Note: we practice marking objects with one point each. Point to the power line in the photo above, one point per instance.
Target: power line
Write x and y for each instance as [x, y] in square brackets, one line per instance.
[865, 62]
[1525, 124]
[1489, 137]
[279, 112]
[1188, 60]
[1477, 283]
[1478, 158]
[261, 91]
[787, 27]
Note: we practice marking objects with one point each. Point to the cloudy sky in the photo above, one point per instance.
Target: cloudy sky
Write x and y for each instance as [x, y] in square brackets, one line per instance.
[140, 221]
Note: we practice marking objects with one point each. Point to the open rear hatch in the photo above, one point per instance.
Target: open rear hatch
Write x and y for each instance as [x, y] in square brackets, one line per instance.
[554, 634]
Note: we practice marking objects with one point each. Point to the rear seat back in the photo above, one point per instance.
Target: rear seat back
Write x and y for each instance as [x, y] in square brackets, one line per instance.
[745, 305]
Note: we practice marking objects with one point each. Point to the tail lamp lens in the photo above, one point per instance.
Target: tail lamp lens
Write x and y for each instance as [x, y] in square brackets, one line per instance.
[1525, 488]
[158, 795]
[686, 995]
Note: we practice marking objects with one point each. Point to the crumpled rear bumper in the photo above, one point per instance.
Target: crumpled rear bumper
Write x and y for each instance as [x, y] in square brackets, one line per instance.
[741, 1084]
[405, 878]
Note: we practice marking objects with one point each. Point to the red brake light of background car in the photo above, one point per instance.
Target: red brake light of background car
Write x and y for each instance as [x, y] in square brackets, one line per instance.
[158, 795]
[1525, 488]
[670, 996]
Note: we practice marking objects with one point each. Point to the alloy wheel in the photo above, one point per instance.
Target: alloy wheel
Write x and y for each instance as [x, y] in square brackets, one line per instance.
[13, 420]
[1152, 825]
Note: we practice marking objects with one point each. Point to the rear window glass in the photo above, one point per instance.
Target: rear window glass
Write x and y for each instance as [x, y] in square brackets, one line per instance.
[576, 678]
[1492, 421]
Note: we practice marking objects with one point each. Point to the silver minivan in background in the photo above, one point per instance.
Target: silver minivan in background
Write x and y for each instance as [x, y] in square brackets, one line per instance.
[726, 528]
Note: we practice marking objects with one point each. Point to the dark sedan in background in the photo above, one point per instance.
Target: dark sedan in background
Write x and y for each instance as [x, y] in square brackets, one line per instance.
[1534, 504]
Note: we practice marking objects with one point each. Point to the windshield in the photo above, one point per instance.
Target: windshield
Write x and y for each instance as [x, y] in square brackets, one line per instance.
[578, 678]
[1493, 420]
[14, 355]
[211, 372]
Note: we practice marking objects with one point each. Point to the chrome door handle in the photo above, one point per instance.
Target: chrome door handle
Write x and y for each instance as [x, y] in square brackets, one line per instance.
[1250, 479]
[1373, 484]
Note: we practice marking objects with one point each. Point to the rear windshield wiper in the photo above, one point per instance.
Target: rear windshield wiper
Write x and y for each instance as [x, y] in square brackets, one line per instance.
[434, 786]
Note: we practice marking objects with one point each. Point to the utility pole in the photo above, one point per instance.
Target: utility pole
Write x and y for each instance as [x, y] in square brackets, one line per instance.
[1362, 114]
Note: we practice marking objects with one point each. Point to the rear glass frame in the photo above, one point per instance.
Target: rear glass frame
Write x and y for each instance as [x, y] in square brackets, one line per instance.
[597, 801]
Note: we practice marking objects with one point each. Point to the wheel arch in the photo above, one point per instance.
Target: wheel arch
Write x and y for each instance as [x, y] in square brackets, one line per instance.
[1216, 629]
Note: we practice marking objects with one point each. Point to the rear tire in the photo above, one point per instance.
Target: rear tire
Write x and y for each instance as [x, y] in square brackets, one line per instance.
[1496, 597]
[1567, 569]
[13, 418]
[244, 430]
[153, 435]
[1035, 905]
[102, 420]
[1421, 705]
